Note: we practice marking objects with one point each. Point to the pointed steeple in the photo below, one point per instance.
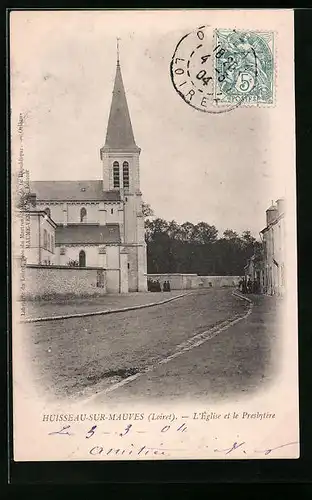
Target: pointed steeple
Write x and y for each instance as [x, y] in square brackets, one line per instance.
[119, 130]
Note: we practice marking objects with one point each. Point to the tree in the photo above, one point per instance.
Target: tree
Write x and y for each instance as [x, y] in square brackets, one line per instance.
[159, 227]
[149, 229]
[174, 230]
[24, 199]
[187, 229]
[147, 210]
[195, 248]
[230, 235]
[204, 233]
[247, 238]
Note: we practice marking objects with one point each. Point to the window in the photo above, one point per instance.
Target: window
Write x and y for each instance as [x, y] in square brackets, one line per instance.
[112, 211]
[49, 242]
[82, 258]
[128, 265]
[48, 211]
[52, 244]
[45, 239]
[116, 174]
[83, 214]
[125, 170]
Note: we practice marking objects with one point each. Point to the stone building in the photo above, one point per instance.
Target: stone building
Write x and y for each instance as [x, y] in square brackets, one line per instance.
[273, 238]
[99, 223]
[40, 237]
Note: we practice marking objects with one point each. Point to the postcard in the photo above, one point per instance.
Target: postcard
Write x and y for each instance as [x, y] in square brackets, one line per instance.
[154, 281]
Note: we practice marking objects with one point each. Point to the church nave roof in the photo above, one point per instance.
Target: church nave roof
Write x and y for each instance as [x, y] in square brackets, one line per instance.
[85, 234]
[72, 191]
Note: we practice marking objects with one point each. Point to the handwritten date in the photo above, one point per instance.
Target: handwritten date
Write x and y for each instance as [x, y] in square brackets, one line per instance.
[237, 447]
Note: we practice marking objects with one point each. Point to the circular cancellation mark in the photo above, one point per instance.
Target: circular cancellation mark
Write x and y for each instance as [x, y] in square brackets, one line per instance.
[215, 71]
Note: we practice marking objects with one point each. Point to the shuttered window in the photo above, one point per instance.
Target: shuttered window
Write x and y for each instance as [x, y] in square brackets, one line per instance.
[116, 174]
[125, 170]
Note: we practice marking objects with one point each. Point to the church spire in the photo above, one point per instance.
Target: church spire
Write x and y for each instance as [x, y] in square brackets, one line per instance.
[119, 129]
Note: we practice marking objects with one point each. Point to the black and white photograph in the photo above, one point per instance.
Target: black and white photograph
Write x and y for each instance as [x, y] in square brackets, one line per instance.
[154, 286]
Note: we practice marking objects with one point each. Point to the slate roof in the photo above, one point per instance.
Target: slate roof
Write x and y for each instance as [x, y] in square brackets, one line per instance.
[72, 190]
[42, 213]
[119, 129]
[84, 234]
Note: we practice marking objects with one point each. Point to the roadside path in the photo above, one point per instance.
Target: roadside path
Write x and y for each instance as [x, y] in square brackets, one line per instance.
[75, 307]
[79, 357]
[237, 356]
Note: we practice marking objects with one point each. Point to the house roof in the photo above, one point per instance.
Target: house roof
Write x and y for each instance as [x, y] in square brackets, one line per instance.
[273, 208]
[41, 213]
[119, 129]
[72, 190]
[272, 223]
[86, 234]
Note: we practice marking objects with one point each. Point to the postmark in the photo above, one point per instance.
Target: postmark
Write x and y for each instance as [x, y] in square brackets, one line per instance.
[217, 70]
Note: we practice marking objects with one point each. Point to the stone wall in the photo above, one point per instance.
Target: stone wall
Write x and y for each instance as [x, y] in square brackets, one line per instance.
[93, 258]
[45, 281]
[193, 281]
[113, 281]
[218, 281]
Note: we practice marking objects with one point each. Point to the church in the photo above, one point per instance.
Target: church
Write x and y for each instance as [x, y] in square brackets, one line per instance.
[99, 223]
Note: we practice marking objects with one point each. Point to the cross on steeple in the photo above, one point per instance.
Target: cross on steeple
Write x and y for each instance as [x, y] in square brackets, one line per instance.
[118, 50]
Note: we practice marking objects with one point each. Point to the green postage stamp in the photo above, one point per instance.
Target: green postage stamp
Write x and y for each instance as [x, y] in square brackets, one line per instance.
[244, 67]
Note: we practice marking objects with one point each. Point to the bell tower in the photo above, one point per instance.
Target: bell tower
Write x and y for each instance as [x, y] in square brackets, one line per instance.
[121, 172]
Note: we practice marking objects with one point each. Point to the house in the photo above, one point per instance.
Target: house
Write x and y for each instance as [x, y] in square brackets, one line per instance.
[273, 238]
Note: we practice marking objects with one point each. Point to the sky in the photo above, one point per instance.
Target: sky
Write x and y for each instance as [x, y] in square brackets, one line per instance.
[222, 169]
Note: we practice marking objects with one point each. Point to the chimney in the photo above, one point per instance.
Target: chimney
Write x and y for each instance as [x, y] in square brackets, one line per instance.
[32, 199]
[271, 214]
[280, 206]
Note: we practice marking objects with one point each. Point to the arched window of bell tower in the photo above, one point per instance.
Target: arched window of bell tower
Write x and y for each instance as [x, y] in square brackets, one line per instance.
[125, 174]
[116, 178]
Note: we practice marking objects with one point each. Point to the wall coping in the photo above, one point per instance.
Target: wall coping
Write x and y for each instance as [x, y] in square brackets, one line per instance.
[171, 274]
[222, 276]
[51, 266]
[84, 244]
[193, 275]
[93, 201]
